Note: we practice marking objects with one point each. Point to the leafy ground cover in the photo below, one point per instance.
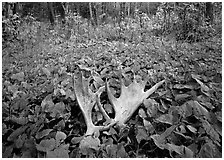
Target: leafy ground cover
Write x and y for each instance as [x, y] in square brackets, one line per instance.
[41, 116]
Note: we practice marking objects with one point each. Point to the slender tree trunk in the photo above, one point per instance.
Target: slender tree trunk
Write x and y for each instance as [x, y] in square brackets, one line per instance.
[209, 12]
[51, 12]
[6, 10]
[61, 9]
[15, 8]
[91, 12]
[129, 7]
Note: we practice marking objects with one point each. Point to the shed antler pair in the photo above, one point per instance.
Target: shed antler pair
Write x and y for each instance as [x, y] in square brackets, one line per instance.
[130, 99]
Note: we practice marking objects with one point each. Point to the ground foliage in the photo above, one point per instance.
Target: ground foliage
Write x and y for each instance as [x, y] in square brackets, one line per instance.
[40, 114]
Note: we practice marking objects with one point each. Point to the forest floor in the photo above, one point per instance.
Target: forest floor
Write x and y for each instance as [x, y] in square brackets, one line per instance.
[183, 118]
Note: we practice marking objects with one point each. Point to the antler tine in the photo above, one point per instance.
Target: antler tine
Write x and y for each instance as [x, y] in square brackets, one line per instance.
[101, 107]
[154, 88]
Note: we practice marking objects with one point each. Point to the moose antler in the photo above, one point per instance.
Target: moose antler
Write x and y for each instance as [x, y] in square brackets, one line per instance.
[130, 99]
[86, 100]
[128, 102]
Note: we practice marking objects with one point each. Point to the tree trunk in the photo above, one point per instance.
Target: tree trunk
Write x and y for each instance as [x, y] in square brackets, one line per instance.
[51, 12]
[91, 13]
[6, 9]
[209, 12]
[129, 8]
[15, 8]
[61, 9]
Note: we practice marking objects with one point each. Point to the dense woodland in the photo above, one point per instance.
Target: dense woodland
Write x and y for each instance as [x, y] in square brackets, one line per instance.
[111, 79]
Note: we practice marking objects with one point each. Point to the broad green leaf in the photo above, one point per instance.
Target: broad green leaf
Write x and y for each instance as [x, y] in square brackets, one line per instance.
[58, 153]
[173, 147]
[59, 109]
[168, 131]
[47, 104]
[43, 133]
[89, 142]
[151, 106]
[204, 101]
[209, 150]
[121, 153]
[108, 141]
[7, 153]
[210, 130]
[70, 94]
[159, 141]
[142, 113]
[76, 140]
[199, 110]
[112, 150]
[46, 145]
[19, 120]
[142, 135]
[21, 104]
[187, 153]
[148, 126]
[99, 116]
[204, 88]
[108, 108]
[219, 116]
[185, 110]
[13, 136]
[4, 129]
[112, 131]
[27, 154]
[166, 118]
[19, 142]
[60, 137]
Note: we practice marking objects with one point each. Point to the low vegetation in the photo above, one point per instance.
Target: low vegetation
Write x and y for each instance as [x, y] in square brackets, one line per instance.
[64, 85]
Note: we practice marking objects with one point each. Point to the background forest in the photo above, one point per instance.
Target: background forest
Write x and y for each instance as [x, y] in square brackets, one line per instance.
[72, 74]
